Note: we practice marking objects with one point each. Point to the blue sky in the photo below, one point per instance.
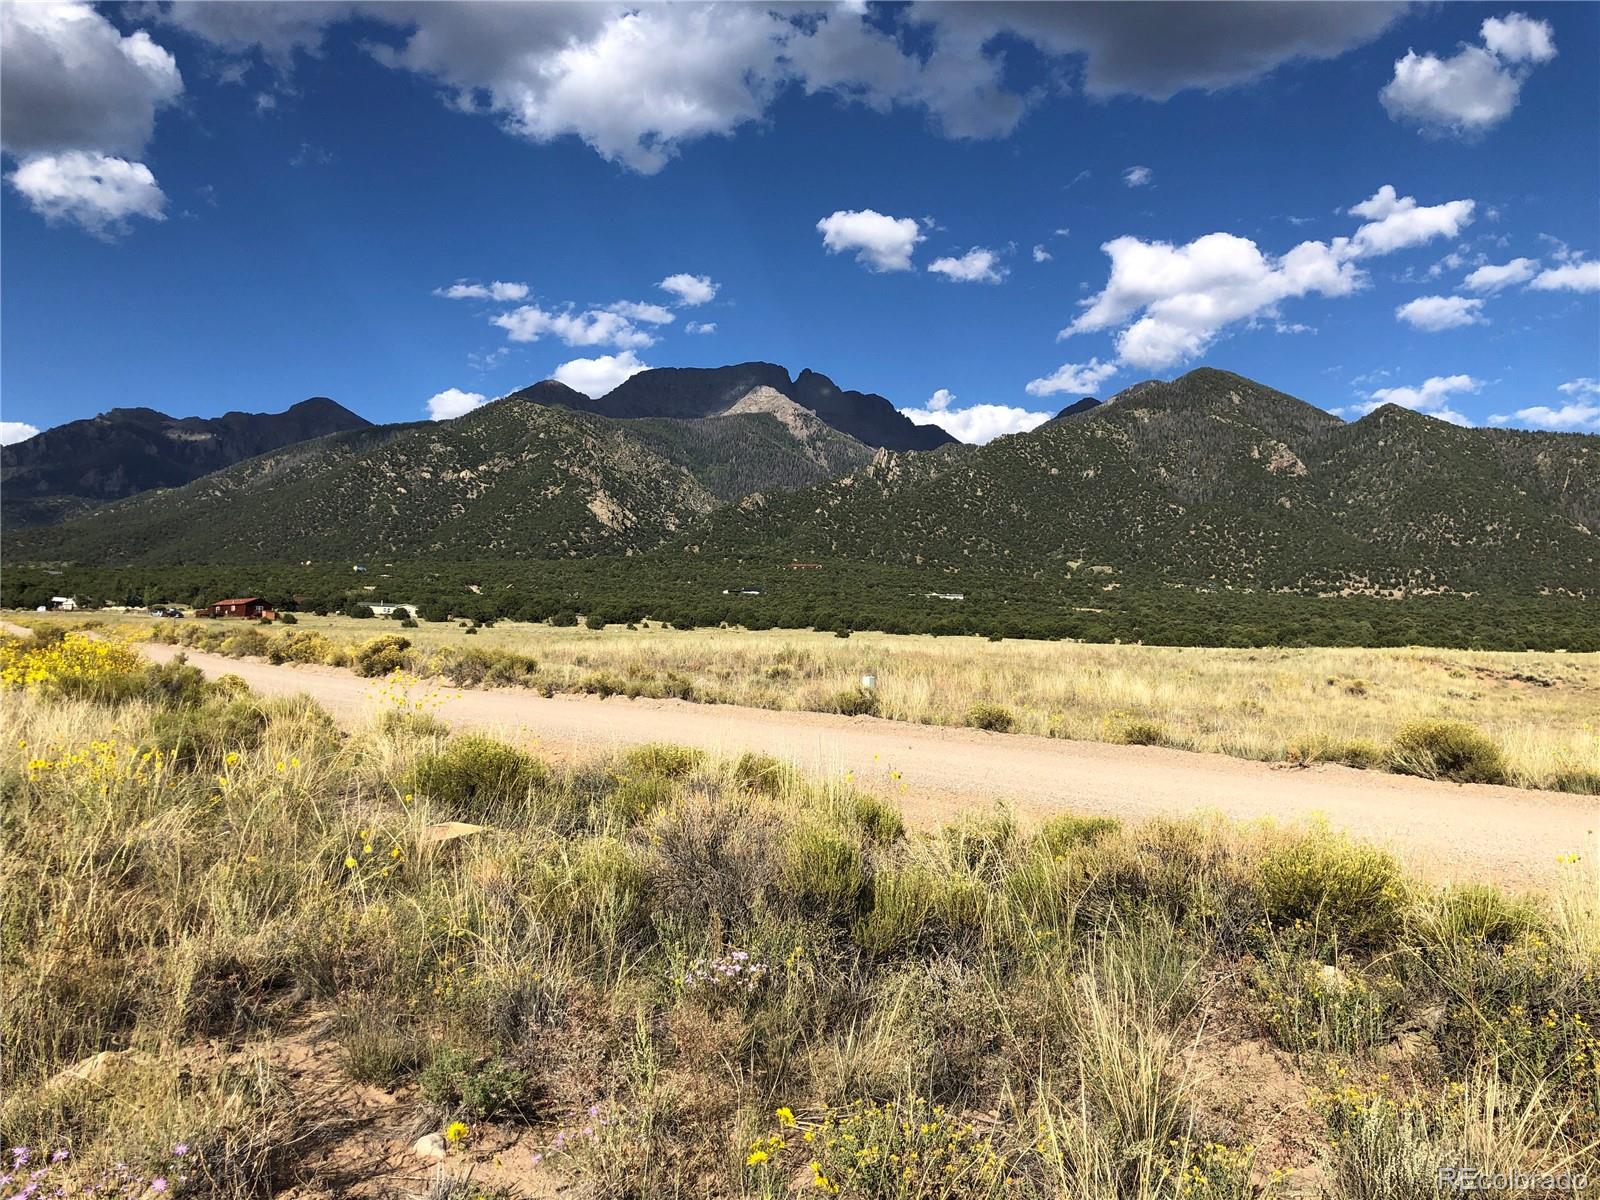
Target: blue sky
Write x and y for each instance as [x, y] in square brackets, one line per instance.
[979, 212]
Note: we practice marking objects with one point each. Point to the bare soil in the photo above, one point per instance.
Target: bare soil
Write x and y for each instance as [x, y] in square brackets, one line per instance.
[1442, 831]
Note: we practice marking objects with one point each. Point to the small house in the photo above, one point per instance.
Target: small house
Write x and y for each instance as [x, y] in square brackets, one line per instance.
[64, 603]
[245, 607]
[386, 609]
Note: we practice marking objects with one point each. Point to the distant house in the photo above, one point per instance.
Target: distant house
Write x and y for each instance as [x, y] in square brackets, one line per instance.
[247, 607]
[799, 566]
[359, 569]
[385, 609]
[64, 603]
[944, 595]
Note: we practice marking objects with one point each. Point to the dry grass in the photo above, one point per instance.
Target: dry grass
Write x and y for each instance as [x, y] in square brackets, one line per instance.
[1542, 710]
[663, 972]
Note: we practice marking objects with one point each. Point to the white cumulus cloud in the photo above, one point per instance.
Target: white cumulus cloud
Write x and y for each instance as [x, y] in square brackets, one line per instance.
[1436, 313]
[93, 190]
[12, 432]
[650, 314]
[1519, 38]
[498, 290]
[1083, 379]
[1569, 277]
[594, 377]
[691, 290]
[1475, 88]
[1581, 414]
[1491, 277]
[638, 83]
[72, 81]
[701, 327]
[1432, 396]
[594, 327]
[880, 243]
[1041, 255]
[976, 423]
[1171, 302]
[1138, 176]
[78, 104]
[452, 403]
[977, 265]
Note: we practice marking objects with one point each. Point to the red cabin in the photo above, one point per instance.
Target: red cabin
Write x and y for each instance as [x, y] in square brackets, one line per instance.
[248, 607]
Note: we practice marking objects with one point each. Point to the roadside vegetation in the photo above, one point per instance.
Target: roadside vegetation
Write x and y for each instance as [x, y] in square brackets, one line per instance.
[1526, 719]
[245, 950]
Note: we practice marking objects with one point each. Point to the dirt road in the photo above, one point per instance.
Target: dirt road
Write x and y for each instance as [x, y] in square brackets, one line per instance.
[1444, 830]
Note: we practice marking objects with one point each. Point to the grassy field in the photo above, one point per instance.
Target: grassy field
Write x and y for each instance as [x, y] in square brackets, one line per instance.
[1540, 710]
[243, 953]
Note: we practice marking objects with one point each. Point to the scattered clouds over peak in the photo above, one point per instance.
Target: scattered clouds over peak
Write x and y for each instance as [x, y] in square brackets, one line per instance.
[1578, 415]
[1432, 397]
[880, 243]
[593, 327]
[700, 327]
[498, 290]
[691, 290]
[1435, 313]
[975, 423]
[452, 403]
[1083, 379]
[1474, 89]
[1171, 302]
[594, 377]
[977, 265]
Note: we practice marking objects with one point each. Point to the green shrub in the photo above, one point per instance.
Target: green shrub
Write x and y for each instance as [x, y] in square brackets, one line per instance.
[474, 776]
[288, 618]
[307, 647]
[638, 796]
[1064, 831]
[245, 643]
[204, 733]
[382, 655]
[476, 1090]
[762, 773]
[878, 820]
[594, 622]
[993, 717]
[1135, 731]
[1477, 912]
[854, 702]
[1447, 750]
[1578, 781]
[823, 871]
[1335, 886]
[661, 758]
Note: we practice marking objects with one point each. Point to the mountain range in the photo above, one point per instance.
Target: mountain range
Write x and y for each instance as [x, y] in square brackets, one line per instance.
[689, 392]
[82, 465]
[1208, 481]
